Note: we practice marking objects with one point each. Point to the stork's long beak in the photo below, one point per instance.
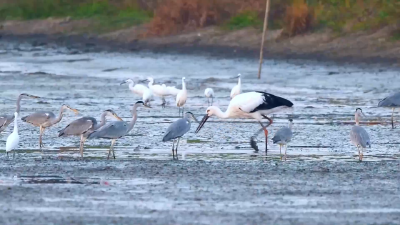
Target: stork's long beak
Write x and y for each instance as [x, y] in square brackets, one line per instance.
[237, 76]
[143, 80]
[147, 106]
[202, 122]
[117, 117]
[122, 83]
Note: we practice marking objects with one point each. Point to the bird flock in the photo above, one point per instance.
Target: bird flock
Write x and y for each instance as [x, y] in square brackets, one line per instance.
[255, 105]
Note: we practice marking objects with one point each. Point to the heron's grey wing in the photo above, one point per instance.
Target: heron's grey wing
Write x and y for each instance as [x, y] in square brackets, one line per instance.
[78, 127]
[359, 136]
[177, 129]
[283, 134]
[38, 118]
[112, 130]
[390, 101]
[5, 120]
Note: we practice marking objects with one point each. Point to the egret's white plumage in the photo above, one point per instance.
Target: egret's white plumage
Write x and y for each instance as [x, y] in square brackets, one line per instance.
[139, 89]
[237, 89]
[209, 93]
[181, 97]
[283, 136]
[359, 136]
[161, 90]
[256, 105]
[13, 138]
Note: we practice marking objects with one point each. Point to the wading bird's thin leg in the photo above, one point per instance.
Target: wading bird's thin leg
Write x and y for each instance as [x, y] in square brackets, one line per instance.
[113, 147]
[163, 102]
[40, 138]
[176, 149]
[280, 151]
[285, 151]
[82, 144]
[173, 145]
[359, 154]
[212, 100]
[392, 118]
[253, 143]
[7, 155]
[362, 153]
[13, 154]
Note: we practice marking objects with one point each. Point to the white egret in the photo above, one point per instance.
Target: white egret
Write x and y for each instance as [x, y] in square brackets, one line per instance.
[209, 93]
[13, 138]
[181, 97]
[237, 89]
[139, 89]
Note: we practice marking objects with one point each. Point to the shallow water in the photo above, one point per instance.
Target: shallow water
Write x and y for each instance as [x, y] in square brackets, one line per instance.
[325, 98]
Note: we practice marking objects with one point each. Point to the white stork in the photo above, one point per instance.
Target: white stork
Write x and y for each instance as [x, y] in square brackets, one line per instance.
[256, 105]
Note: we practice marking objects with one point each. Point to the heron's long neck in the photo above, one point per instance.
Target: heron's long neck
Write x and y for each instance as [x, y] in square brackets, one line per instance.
[103, 121]
[16, 124]
[19, 104]
[134, 118]
[220, 114]
[239, 81]
[357, 120]
[60, 116]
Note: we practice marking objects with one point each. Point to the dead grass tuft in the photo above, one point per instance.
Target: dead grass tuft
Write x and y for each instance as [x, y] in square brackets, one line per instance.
[299, 18]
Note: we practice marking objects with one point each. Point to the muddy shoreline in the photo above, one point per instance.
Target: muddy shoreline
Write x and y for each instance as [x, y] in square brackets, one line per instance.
[86, 44]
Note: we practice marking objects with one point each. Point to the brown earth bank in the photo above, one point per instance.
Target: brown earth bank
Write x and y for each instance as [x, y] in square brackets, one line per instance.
[378, 46]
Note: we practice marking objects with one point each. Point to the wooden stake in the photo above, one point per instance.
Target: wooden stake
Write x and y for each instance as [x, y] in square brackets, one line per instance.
[263, 38]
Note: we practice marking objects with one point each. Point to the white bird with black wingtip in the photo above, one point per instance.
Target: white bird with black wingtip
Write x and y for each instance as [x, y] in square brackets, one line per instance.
[256, 105]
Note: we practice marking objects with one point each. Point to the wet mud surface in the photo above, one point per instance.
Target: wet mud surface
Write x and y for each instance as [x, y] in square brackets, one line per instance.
[218, 179]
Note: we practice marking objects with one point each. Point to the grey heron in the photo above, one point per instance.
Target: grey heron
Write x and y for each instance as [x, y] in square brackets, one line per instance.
[359, 136]
[86, 125]
[256, 105]
[176, 130]
[209, 93]
[44, 119]
[140, 90]
[5, 120]
[237, 89]
[181, 97]
[283, 136]
[117, 129]
[13, 138]
[392, 101]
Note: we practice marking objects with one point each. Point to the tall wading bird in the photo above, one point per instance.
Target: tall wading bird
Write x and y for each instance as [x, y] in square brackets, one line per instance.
[256, 105]
[237, 89]
[176, 130]
[13, 138]
[139, 89]
[85, 126]
[283, 136]
[392, 101]
[359, 136]
[181, 97]
[5, 120]
[209, 93]
[117, 129]
[44, 119]
[161, 91]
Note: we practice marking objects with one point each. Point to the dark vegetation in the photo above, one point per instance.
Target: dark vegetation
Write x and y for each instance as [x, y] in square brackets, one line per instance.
[165, 17]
